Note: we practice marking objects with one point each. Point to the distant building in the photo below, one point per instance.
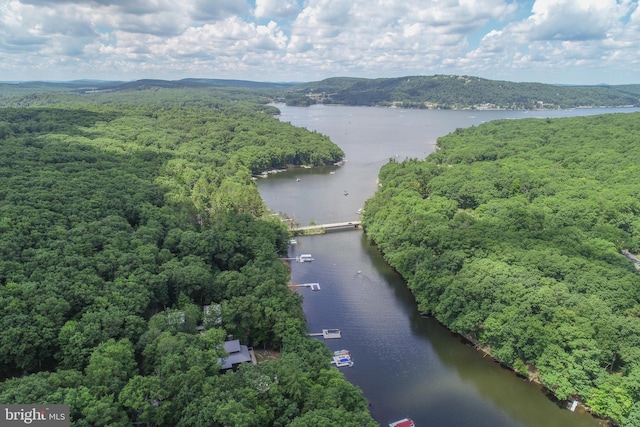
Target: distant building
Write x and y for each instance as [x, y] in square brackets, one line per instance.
[237, 354]
[212, 316]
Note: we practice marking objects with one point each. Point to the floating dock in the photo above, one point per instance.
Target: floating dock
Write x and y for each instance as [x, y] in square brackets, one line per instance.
[312, 286]
[328, 334]
[300, 258]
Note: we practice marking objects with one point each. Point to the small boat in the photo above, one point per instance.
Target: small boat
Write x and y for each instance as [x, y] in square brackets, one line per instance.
[405, 422]
[305, 258]
[293, 242]
[297, 179]
[342, 358]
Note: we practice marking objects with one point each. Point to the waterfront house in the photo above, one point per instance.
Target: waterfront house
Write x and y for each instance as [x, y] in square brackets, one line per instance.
[237, 354]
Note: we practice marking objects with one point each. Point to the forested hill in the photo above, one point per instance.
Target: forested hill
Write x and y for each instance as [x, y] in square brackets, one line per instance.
[225, 88]
[439, 91]
[445, 91]
[119, 223]
[511, 234]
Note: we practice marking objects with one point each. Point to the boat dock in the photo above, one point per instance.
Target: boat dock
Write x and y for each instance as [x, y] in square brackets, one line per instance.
[328, 334]
[312, 286]
[300, 258]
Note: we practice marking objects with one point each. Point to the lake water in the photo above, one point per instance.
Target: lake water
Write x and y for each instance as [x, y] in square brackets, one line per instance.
[406, 365]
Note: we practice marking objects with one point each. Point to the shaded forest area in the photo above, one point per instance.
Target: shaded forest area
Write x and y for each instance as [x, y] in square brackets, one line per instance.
[121, 216]
[511, 234]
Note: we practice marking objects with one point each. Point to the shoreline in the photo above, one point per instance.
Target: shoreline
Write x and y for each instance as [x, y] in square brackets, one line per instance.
[477, 107]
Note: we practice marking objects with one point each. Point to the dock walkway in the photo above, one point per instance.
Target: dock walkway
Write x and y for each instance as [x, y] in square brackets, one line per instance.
[328, 334]
[312, 286]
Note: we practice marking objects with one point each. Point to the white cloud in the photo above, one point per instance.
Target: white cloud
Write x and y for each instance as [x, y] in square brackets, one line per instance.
[385, 35]
[64, 31]
[162, 23]
[313, 39]
[134, 7]
[557, 35]
[229, 40]
[575, 20]
[276, 9]
[208, 10]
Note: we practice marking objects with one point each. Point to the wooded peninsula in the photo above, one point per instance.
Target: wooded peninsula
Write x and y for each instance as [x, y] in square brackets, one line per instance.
[122, 216]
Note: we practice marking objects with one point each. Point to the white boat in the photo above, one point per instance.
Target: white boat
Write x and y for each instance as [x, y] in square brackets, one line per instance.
[342, 358]
[405, 422]
[305, 258]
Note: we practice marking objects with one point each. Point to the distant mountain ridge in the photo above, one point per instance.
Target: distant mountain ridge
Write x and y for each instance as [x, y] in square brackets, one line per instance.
[437, 91]
[106, 85]
[452, 91]
[195, 82]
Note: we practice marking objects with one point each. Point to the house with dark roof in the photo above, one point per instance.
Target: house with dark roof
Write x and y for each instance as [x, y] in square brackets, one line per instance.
[237, 354]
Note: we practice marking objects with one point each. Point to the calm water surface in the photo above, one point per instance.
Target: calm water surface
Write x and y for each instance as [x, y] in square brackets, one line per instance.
[406, 365]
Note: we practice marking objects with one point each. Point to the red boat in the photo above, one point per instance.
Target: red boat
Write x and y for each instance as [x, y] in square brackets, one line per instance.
[405, 422]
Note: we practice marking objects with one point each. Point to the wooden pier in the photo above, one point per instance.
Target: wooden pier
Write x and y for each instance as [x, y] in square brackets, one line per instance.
[328, 334]
[300, 258]
[312, 286]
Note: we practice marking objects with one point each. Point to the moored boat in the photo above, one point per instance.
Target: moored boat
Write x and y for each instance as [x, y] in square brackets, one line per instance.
[405, 422]
[342, 358]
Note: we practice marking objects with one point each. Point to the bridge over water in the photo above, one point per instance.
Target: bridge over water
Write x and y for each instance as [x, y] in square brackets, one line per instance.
[323, 228]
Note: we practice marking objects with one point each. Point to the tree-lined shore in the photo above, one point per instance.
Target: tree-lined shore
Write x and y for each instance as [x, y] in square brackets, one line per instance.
[511, 234]
[121, 217]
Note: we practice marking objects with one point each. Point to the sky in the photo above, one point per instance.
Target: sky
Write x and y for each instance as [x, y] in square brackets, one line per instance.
[547, 41]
